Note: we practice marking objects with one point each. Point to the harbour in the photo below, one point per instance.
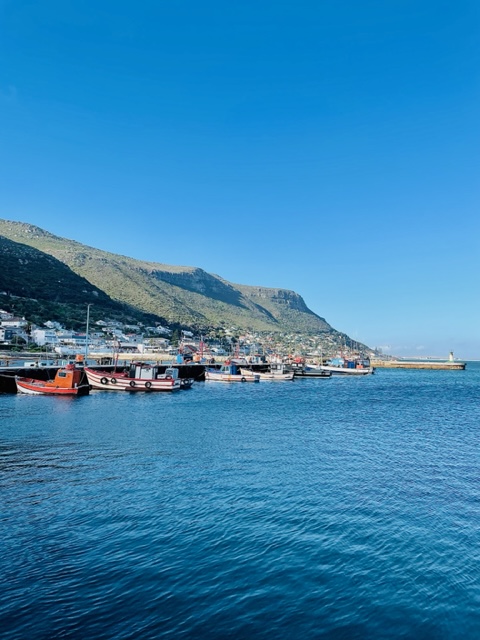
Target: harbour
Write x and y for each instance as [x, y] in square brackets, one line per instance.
[238, 241]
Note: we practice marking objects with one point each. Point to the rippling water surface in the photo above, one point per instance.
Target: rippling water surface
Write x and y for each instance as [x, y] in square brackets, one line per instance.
[316, 508]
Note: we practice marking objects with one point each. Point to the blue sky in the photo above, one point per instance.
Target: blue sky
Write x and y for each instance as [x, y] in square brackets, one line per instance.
[323, 146]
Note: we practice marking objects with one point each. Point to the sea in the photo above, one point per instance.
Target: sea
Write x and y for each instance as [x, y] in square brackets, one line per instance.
[339, 508]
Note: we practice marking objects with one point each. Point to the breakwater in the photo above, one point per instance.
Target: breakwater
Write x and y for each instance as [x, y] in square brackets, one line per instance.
[424, 364]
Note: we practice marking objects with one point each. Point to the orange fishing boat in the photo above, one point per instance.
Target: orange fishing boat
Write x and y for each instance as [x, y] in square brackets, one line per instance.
[68, 381]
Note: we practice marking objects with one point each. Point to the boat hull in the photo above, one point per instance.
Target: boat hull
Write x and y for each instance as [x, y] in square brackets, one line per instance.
[107, 381]
[313, 374]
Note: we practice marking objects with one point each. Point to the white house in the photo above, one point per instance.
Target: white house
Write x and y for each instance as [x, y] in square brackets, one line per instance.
[44, 336]
[14, 322]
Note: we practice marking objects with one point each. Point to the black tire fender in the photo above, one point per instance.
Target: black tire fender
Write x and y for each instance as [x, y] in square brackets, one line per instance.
[243, 379]
[104, 381]
[148, 385]
[132, 383]
[113, 381]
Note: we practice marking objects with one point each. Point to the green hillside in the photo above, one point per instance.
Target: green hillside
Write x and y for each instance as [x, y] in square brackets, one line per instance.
[40, 287]
[186, 295]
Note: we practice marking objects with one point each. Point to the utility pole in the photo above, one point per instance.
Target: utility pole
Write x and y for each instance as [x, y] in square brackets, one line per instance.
[86, 333]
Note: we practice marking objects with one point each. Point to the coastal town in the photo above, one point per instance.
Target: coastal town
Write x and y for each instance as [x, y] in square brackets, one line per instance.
[106, 337]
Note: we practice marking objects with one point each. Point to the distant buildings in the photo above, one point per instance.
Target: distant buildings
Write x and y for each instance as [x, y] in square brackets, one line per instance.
[107, 336]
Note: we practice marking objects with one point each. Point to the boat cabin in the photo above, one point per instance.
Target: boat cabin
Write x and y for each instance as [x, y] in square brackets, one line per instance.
[297, 367]
[170, 373]
[280, 367]
[230, 369]
[143, 371]
[68, 378]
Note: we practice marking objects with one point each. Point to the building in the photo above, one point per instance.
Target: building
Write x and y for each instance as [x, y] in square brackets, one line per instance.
[6, 335]
[14, 323]
[43, 336]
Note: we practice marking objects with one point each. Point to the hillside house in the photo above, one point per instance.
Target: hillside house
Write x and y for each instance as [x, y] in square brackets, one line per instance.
[14, 323]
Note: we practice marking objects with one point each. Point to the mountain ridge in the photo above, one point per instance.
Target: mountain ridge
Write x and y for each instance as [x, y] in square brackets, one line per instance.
[179, 294]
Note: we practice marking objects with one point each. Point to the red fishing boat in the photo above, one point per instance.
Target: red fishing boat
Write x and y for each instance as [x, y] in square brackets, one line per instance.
[68, 381]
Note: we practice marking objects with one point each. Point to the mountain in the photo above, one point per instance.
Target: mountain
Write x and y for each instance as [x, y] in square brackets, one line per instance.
[186, 295]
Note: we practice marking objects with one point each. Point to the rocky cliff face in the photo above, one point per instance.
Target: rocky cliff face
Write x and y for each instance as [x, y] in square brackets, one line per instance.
[290, 299]
[288, 307]
[199, 281]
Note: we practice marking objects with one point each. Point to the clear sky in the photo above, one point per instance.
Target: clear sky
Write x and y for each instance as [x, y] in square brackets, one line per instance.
[326, 146]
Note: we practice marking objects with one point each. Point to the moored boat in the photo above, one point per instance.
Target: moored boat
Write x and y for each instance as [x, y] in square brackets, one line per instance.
[342, 366]
[275, 372]
[302, 370]
[68, 381]
[139, 377]
[231, 373]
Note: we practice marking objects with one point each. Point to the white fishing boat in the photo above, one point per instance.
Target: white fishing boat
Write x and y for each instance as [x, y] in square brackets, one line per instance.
[276, 372]
[139, 377]
[345, 367]
[231, 373]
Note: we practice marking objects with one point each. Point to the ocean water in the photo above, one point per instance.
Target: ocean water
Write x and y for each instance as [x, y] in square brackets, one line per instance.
[339, 508]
